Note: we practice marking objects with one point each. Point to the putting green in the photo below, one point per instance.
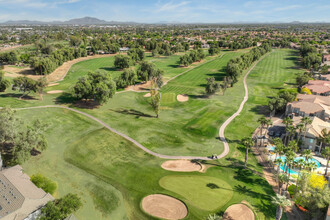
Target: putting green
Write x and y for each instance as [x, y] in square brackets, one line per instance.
[205, 192]
[168, 98]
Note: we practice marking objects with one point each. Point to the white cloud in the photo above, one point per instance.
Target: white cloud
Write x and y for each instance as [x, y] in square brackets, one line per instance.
[170, 6]
[287, 8]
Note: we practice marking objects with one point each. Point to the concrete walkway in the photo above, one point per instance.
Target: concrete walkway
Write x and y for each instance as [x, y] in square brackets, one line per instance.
[221, 130]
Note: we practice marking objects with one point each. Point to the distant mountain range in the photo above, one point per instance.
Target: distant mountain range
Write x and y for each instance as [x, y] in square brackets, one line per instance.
[76, 21]
[96, 21]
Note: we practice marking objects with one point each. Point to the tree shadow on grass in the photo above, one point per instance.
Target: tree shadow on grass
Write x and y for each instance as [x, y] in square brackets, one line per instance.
[16, 95]
[260, 110]
[65, 98]
[132, 112]
[174, 65]
[217, 76]
[110, 69]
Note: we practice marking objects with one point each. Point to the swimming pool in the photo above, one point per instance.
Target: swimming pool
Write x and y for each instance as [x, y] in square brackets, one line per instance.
[294, 170]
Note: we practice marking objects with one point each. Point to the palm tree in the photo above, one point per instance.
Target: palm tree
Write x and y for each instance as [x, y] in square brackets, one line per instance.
[263, 122]
[247, 142]
[326, 154]
[300, 128]
[306, 121]
[293, 145]
[324, 138]
[282, 178]
[290, 156]
[290, 131]
[288, 122]
[279, 149]
[281, 202]
[307, 154]
[279, 162]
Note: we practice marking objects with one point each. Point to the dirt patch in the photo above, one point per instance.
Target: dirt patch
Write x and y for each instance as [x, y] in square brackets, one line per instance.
[139, 87]
[55, 91]
[56, 75]
[11, 71]
[165, 207]
[181, 166]
[182, 98]
[147, 95]
[238, 212]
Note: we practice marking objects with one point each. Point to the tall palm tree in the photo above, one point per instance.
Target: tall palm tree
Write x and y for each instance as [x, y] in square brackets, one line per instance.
[306, 121]
[262, 121]
[300, 128]
[247, 142]
[282, 178]
[293, 145]
[279, 149]
[290, 156]
[307, 154]
[281, 202]
[326, 155]
[290, 131]
[268, 124]
[287, 121]
[324, 138]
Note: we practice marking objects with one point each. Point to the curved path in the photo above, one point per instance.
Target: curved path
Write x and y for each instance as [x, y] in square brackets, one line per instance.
[221, 130]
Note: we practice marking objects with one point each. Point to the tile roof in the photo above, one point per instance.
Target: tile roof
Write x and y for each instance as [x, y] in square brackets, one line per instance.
[312, 103]
[318, 86]
[19, 197]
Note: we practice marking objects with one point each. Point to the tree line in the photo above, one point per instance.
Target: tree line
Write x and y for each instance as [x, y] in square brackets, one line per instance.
[193, 56]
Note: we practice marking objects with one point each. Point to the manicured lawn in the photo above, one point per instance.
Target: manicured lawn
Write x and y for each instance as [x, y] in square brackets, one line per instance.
[112, 176]
[204, 192]
[276, 71]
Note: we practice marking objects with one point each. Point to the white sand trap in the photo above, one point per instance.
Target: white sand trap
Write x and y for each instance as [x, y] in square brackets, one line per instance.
[147, 95]
[52, 84]
[54, 91]
[181, 166]
[165, 207]
[182, 98]
[238, 212]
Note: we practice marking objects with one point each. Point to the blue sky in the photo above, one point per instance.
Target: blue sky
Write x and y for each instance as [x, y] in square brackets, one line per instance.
[168, 10]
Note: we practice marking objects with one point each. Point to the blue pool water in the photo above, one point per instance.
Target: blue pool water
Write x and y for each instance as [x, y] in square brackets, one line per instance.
[298, 158]
[272, 148]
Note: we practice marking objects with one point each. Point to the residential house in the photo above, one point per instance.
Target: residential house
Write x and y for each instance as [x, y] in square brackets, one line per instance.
[310, 105]
[313, 132]
[20, 199]
[325, 77]
[319, 87]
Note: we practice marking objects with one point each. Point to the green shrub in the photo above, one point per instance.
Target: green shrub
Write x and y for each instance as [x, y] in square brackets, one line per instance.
[292, 189]
[44, 183]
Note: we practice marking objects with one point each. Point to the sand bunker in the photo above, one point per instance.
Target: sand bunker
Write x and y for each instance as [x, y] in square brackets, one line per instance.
[54, 91]
[165, 207]
[182, 98]
[147, 95]
[53, 84]
[181, 166]
[238, 212]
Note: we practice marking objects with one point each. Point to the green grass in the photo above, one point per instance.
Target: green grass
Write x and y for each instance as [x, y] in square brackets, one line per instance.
[112, 176]
[168, 98]
[110, 173]
[205, 192]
